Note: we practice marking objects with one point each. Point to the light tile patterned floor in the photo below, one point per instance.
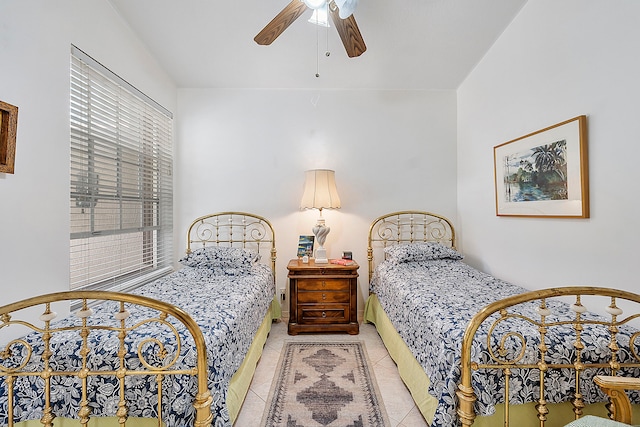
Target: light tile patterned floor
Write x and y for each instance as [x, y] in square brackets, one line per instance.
[400, 408]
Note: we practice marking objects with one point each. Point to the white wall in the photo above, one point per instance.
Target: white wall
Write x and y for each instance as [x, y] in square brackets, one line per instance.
[392, 150]
[35, 40]
[235, 149]
[557, 60]
[248, 150]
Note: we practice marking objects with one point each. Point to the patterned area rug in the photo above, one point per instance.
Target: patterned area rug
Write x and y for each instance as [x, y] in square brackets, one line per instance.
[324, 385]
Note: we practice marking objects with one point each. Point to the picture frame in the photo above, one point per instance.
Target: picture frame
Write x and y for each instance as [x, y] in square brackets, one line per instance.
[8, 131]
[544, 173]
[305, 246]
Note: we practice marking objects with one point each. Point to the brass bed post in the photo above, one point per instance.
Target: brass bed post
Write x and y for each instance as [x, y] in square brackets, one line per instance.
[48, 416]
[577, 401]
[122, 411]
[273, 260]
[84, 411]
[465, 393]
[619, 406]
[370, 260]
[541, 406]
[614, 311]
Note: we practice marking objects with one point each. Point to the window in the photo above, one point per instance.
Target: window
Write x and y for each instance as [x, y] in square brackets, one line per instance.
[121, 181]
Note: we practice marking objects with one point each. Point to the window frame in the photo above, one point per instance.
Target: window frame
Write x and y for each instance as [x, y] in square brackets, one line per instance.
[120, 133]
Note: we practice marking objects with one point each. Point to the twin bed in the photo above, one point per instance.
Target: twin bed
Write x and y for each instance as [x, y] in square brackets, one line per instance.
[180, 350]
[472, 348]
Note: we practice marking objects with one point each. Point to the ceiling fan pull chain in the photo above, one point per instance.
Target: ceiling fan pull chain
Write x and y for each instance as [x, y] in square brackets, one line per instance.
[317, 51]
[327, 52]
[318, 47]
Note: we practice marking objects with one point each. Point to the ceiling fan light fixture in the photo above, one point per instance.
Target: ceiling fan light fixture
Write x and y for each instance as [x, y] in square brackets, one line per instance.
[320, 17]
[315, 4]
[346, 7]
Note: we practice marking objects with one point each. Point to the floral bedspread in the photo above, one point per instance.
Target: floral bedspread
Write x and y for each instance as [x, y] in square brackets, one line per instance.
[430, 303]
[228, 308]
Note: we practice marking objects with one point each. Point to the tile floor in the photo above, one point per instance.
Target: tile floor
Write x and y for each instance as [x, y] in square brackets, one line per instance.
[400, 408]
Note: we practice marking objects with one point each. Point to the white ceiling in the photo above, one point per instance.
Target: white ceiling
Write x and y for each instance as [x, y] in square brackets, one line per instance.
[411, 44]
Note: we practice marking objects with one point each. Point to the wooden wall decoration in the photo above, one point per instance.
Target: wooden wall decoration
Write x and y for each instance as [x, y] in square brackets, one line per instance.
[8, 130]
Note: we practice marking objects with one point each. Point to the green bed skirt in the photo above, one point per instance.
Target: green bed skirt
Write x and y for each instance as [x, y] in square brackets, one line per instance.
[241, 380]
[410, 370]
[417, 382]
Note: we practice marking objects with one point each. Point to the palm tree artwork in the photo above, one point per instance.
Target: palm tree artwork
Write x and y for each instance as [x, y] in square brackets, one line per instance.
[539, 173]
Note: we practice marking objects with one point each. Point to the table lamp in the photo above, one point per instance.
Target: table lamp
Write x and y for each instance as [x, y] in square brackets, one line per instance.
[320, 192]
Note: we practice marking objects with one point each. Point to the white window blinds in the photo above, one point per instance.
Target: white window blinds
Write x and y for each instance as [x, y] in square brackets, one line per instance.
[121, 181]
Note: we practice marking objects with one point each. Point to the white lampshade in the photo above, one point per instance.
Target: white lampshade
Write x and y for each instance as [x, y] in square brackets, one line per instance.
[315, 4]
[320, 190]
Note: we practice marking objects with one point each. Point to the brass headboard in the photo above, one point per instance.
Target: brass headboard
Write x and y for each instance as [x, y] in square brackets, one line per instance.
[156, 355]
[407, 227]
[234, 229]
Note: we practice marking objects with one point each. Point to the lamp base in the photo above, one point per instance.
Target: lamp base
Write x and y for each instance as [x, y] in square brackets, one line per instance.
[321, 256]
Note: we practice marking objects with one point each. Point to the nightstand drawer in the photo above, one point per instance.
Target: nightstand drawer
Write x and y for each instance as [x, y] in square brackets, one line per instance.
[318, 314]
[323, 284]
[324, 297]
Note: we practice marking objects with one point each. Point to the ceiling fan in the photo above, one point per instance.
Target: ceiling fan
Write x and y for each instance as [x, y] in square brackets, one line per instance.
[341, 12]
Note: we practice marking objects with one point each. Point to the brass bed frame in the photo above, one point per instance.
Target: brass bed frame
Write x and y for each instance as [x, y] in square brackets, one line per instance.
[420, 226]
[619, 408]
[234, 229]
[22, 349]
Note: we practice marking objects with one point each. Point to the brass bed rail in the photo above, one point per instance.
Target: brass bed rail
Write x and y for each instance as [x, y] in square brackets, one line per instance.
[505, 311]
[19, 359]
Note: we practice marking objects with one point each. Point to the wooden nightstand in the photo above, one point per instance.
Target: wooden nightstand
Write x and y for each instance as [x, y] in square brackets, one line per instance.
[322, 297]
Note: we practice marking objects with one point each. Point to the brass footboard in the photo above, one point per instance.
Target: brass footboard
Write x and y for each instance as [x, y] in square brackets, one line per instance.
[500, 359]
[155, 356]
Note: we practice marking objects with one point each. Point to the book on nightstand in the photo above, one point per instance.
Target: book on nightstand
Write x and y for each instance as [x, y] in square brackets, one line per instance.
[340, 261]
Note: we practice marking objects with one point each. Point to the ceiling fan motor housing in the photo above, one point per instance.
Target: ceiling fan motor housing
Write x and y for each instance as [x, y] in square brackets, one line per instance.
[315, 4]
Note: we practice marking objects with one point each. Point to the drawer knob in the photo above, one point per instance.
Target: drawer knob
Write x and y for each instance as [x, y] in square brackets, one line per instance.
[324, 284]
[324, 314]
[324, 296]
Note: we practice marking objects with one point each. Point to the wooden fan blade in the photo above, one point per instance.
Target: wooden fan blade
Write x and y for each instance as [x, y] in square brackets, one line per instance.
[348, 31]
[281, 22]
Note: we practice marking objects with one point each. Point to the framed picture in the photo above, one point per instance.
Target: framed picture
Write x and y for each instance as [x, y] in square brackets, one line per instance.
[305, 246]
[8, 128]
[545, 173]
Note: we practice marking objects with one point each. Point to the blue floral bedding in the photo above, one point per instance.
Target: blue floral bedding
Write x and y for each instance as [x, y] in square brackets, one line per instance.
[229, 306]
[430, 299]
